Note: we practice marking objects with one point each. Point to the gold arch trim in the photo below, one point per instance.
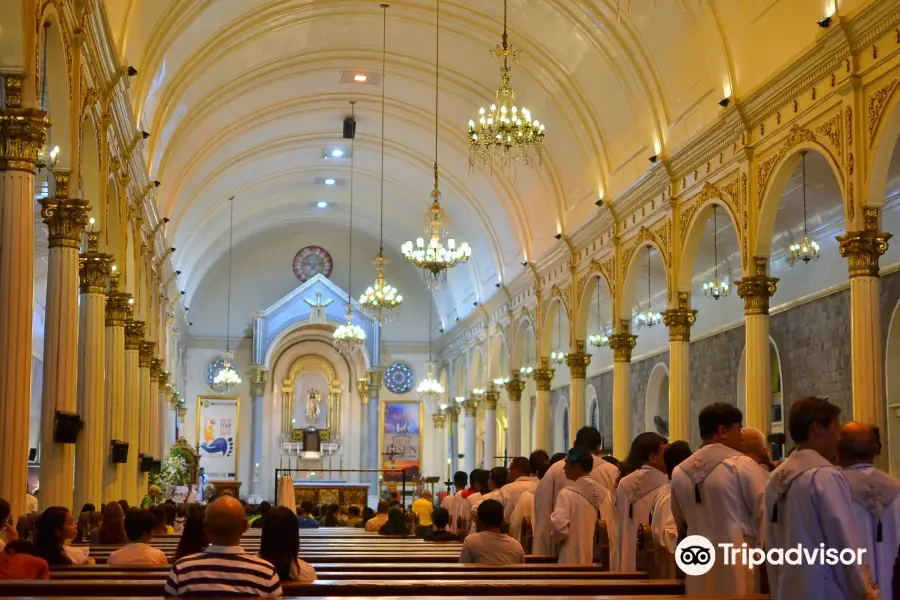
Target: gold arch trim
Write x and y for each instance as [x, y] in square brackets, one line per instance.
[318, 365]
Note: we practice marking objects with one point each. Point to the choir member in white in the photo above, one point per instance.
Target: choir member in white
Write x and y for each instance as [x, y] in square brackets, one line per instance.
[478, 481]
[578, 506]
[522, 477]
[460, 481]
[524, 508]
[810, 504]
[875, 494]
[662, 521]
[497, 478]
[719, 493]
[636, 494]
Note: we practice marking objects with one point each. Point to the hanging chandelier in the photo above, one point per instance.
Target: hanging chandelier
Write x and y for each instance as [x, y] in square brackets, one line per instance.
[601, 338]
[649, 319]
[47, 157]
[506, 133]
[381, 300]
[227, 378]
[806, 249]
[716, 289]
[350, 338]
[433, 258]
[430, 389]
[558, 356]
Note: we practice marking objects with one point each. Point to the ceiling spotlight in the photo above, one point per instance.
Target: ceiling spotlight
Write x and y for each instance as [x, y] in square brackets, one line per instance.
[654, 158]
[178, 272]
[337, 153]
[558, 236]
[441, 330]
[186, 309]
[824, 22]
[361, 78]
[599, 202]
[321, 204]
[330, 181]
[166, 219]
[172, 249]
[183, 292]
[131, 71]
[524, 263]
[457, 318]
[145, 134]
[724, 102]
[497, 285]
[190, 323]
[475, 303]
[157, 183]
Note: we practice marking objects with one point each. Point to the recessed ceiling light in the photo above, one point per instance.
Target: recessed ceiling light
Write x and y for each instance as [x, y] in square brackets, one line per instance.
[330, 181]
[360, 77]
[337, 153]
[322, 204]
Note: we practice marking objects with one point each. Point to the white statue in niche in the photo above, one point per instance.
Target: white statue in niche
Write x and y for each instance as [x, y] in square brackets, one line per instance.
[313, 407]
[317, 312]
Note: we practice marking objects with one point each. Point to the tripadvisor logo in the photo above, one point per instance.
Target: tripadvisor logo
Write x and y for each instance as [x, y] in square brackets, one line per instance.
[695, 555]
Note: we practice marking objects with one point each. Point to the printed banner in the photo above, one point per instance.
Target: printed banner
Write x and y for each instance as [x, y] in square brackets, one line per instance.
[217, 434]
[401, 439]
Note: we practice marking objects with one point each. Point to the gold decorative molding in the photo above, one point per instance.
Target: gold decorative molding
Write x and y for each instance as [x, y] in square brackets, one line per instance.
[679, 320]
[876, 105]
[453, 410]
[543, 375]
[23, 132]
[134, 334]
[491, 398]
[622, 345]
[796, 136]
[94, 266]
[163, 379]
[661, 237]
[578, 361]
[756, 289]
[12, 87]
[848, 120]
[514, 387]
[439, 419]
[155, 368]
[65, 220]
[147, 349]
[362, 385]
[471, 407]
[862, 249]
[831, 129]
[258, 379]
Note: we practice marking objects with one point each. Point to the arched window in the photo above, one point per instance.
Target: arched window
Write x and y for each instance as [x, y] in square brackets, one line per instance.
[565, 428]
[595, 415]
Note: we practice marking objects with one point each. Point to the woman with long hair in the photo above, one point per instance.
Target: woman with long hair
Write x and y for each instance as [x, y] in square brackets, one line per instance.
[279, 544]
[112, 527]
[367, 513]
[193, 538]
[54, 527]
[395, 524]
[332, 516]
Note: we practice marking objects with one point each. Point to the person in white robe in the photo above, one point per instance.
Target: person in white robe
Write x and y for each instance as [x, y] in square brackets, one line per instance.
[524, 510]
[463, 509]
[554, 481]
[578, 506]
[497, 478]
[521, 479]
[809, 503]
[662, 521]
[460, 481]
[876, 506]
[719, 493]
[635, 496]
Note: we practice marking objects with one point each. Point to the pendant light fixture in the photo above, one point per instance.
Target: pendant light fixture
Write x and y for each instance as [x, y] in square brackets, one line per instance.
[650, 318]
[434, 259]
[527, 370]
[558, 356]
[227, 378]
[48, 156]
[805, 250]
[601, 338]
[381, 300]
[350, 338]
[429, 389]
[716, 289]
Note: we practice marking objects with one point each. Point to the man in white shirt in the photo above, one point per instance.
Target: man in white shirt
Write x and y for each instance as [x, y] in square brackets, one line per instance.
[555, 480]
[139, 525]
[662, 522]
[719, 493]
[497, 478]
[491, 547]
[465, 510]
[460, 481]
[522, 478]
[876, 507]
[810, 504]
[636, 494]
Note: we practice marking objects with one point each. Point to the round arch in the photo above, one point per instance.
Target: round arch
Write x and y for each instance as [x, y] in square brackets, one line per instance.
[56, 99]
[656, 402]
[892, 390]
[588, 294]
[499, 353]
[886, 134]
[553, 330]
[525, 334]
[592, 406]
[633, 271]
[477, 369]
[694, 235]
[561, 438]
[90, 175]
[777, 388]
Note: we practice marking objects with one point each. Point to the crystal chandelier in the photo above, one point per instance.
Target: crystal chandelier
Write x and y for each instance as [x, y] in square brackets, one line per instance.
[227, 378]
[434, 259]
[381, 300]
[601, 338]
[716, 289]
[649, 319]
[430, 389]
[805, 250]
[506, 133]
[350, 338]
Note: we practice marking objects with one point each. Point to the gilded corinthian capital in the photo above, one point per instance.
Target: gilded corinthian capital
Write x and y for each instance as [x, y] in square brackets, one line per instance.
[23, 131]
[756, 289]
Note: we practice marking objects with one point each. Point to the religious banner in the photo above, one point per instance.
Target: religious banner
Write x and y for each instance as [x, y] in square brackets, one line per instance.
[401, 439]
[218, 427]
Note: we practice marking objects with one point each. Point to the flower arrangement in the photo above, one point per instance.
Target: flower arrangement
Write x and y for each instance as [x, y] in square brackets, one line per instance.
[174, 472]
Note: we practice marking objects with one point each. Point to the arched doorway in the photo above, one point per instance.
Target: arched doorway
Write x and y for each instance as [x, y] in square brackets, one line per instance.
[777, 415]
[656, 404]
[892, 392]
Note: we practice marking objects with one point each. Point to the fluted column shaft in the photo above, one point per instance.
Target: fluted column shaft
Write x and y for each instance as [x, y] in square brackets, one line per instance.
[491, 398]
[376, 376]
[440, 443]
[92, 451]
[65, 219]
[514, 388]
[144, 443]
[116, 304]
[454, 438]
[22, 133]
[258, 379]
[166, 417]
[362, 386]
[153, 400]
[471, 408]
[756, 290]
[134, 336]
[543, 376]
[679, 321]
[622, 345]
[578, 362]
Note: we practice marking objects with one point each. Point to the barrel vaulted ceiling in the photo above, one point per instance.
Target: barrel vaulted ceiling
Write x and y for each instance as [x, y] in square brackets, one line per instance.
[241, 97]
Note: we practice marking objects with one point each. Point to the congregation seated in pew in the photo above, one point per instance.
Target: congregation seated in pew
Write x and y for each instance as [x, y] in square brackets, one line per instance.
[139, 526]
[441, 519]
[491, 547]
[280, 546]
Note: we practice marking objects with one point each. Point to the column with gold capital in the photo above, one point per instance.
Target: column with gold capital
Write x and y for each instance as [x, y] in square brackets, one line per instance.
[756, 290]
[439, 419]
[376, 376]
[622, 344]
[362, 386]
[145, 359]
[259, 377]
[134, 337]
[453, 415]
[166, 414]
[22, 134]
[863, 249]
[543, 376]
[514, 388]
[92, 451]
[679, 321]
[155, 433]
[471, 450]
[65, 219]
[116, 307]
[491, 398]
[578, 362]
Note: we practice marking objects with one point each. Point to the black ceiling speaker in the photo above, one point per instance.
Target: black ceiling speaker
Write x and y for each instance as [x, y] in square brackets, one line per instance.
[32, 454]
[118, 452]
[66, 427]
[349, 128]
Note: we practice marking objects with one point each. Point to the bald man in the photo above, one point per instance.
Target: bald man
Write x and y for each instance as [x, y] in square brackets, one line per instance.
[876, 507]
[754, 442]
[223, 569]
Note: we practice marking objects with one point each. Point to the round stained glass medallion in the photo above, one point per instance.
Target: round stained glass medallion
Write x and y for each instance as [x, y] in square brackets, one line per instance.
[398, 378]
[311, 261]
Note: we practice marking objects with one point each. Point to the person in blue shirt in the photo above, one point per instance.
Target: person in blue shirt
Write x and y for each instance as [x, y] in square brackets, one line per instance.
[304, 520]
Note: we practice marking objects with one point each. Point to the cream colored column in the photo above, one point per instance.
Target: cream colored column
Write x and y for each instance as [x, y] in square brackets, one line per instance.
[153, 400]
[134, 337]
[116, 306]
[679, 321]
[165, 414]
[92, 451]
[453, 415]
[362, 386]
[65, 219]
[543, 376]
[491, 398]
[148, 349]
[22, 134]
[622, 345]
[756, 290]
[470, 448]
[440, 443]
[578, 362]
[862, 249]
[514, 388]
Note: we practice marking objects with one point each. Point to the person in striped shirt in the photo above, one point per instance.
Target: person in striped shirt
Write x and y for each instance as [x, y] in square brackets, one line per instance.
[223, 569]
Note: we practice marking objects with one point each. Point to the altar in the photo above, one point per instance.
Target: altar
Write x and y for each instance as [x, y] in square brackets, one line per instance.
[331, 492]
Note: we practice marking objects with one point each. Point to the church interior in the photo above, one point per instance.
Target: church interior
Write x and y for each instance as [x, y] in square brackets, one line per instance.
[357, 248]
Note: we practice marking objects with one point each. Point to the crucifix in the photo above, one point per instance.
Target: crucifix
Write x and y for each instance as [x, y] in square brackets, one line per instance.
[506, 458]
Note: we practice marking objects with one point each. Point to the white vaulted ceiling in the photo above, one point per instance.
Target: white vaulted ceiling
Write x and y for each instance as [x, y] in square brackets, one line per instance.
[242, 96]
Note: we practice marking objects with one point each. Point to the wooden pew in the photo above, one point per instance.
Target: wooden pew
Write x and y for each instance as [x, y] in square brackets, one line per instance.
[371, 575]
